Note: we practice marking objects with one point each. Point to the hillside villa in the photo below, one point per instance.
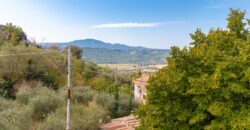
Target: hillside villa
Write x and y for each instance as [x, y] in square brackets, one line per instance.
[130, 122]
[140, 91]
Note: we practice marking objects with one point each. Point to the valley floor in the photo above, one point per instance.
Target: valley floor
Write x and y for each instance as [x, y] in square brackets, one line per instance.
[134, 67]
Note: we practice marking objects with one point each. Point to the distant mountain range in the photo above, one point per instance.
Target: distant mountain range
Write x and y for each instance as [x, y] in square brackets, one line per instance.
[102, 52]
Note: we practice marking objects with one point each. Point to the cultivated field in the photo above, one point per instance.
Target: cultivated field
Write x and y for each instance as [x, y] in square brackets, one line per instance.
[134, 67]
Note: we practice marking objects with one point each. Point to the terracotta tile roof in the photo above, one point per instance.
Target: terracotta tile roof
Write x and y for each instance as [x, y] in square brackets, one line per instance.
[124, 123]
[142, 82]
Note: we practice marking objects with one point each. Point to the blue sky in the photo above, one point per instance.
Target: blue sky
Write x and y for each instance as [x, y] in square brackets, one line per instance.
[149, 23]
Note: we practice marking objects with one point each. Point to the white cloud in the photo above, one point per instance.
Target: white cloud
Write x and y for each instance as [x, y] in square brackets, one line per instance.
[134, 24]
[126, 25]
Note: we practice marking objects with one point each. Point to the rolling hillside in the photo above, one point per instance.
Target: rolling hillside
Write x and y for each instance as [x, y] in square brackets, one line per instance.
[101, 52]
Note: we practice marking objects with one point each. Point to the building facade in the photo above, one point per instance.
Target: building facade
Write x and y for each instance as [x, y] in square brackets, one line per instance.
[140, 91]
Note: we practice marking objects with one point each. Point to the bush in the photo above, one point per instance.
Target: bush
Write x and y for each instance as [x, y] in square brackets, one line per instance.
[54, 121]
[17, 118]
[105, 100]
[82, 118]
[100, 84]
[5, 88]
[88, 118]
[24, 94]
[45, 102]
[126, 105]
[41, 99]
[82, 95]
[5, 104]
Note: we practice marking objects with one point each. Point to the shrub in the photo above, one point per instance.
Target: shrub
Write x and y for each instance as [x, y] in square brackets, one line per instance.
[105, 100]
[24, 94]
[5, 104]
[5, 88]
[44, 102]
[88, 118]
[83, 118]
[98, 83]
[82, 94]
[54, 121]
[41, 99]
[125, 105]
[16, 119]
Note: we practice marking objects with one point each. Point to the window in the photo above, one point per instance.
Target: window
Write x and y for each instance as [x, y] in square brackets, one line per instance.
[139, 90]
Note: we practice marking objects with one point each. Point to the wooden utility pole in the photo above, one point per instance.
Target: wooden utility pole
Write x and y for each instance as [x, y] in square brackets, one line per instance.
[69, 90]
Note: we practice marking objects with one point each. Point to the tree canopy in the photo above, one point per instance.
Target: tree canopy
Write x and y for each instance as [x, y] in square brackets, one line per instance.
[205, 85]
[76, 51]
[13, 34]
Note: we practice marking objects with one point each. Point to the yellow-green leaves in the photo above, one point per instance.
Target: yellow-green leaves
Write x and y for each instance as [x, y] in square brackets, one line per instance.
[216, 108]
[206, 86]
[199, 117]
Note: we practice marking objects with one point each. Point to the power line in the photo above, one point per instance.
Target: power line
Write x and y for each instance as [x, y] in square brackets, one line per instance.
[25, 73]
[30, 53]
[33, 53]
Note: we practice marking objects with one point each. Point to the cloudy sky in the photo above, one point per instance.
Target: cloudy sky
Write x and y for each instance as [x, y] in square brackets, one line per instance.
[149, 23]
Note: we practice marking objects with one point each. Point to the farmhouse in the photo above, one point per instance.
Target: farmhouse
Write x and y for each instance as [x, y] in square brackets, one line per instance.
[140, 91]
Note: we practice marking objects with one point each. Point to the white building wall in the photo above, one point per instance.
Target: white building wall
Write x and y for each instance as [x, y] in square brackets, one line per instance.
[139, 94]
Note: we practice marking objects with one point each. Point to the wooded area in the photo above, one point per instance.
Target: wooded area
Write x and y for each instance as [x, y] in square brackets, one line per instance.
[205, 85]
[33, 87]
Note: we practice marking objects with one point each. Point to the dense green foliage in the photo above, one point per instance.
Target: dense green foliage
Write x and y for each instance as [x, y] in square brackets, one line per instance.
[83, 118]
[13, 35]
[44, 109]
[5, 90]
[33, 93]
[75, 50]
[205, 86]
[16, 118]
[49, 67]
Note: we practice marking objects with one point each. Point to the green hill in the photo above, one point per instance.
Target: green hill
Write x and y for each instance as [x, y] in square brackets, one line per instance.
[102, 55]
[102, 52]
